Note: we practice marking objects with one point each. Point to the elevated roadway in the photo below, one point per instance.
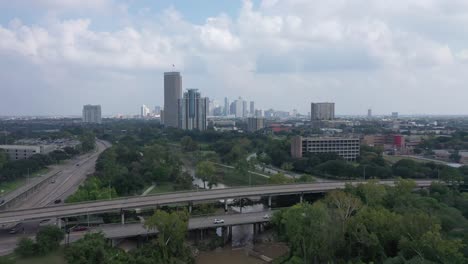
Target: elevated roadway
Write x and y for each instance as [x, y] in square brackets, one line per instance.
[152, 201]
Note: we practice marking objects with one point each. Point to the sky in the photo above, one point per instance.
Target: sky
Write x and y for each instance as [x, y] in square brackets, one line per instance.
[409, 56]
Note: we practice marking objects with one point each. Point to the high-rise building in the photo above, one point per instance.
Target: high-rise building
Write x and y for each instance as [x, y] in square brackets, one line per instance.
[172, 94]
[269, 113]
[255, 124]
[369, 113]
[193, 110]
[157, 110]
[144, 111]
[244, 109]
[252, 108]
[322, 111]
[92, 114]
[239, 107]
[227, 107]
[395, 115]
[258, 113]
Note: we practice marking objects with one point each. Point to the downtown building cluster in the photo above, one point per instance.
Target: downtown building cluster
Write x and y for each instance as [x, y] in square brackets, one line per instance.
[186, 111]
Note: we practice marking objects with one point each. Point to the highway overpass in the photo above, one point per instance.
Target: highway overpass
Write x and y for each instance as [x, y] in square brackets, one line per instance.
[116, 231]
[151, 201]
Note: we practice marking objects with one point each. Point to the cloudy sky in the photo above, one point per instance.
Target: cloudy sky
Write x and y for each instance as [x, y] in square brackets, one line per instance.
[409, 56]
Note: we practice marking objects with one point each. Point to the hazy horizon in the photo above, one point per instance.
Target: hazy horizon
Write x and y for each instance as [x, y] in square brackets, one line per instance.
[400, 56]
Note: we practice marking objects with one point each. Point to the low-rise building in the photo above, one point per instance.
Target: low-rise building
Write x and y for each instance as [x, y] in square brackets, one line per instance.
[463, 157]
[347, 148]
[18, 152]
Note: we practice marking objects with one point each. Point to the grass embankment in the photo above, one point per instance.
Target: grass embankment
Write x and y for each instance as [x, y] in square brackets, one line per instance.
[56, 257]
[6, 187]
[231, 178]
[162, 188]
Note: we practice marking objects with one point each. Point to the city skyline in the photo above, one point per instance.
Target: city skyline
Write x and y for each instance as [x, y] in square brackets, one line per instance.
[113, 53]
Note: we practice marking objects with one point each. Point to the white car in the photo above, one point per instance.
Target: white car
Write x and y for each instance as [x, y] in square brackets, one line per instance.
[267, 216]
[218, 221]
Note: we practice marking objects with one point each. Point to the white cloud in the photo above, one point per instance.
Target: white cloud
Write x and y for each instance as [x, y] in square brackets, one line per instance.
[300, 50]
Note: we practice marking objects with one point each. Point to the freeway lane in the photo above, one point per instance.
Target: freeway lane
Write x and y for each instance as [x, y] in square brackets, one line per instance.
[67, 181]
[174, 198]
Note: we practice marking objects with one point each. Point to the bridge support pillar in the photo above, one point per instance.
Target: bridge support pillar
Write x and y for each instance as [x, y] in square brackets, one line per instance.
[225, 205]
[301, 197]
[190, 207]
[255, 229]
[240, 206]
[122, 217]
[59, 223]
[269, 202]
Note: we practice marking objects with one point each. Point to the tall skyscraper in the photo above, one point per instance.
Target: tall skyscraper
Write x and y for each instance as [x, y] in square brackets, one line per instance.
[193, 110]
[157, 110]
[239, 107]
[172, 94]
[369, 113]
[322, 111]
[395, 115]
[227, 107]
[244, 109]
[144, 111]
[92, 114]
[252, 108]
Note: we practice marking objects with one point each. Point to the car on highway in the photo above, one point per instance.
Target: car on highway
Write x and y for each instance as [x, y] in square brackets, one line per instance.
[2, 201]
[78, 228]
[218, 221]
[77, 164]
[16, 228]
[52, 181]
[57, 201]
[267, 216]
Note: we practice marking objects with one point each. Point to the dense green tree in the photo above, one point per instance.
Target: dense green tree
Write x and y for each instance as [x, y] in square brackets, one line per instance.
[188, 144]
[279, 178]
[206, 171]
[48, 239]
[93, 249]
[172, 230]
[26, 247]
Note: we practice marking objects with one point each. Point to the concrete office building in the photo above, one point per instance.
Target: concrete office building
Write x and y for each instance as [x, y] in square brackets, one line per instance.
[244, 109]
[172, 94]
[252, 108]
[369, 113]
[395, 115]
[192, 111]
[255, 124]
[92, 114]
[322, 111]
[227, 107]
[19, 152]
[157, 110]
[258, 113]
[347, 148]
[239, 108]
[144, 111]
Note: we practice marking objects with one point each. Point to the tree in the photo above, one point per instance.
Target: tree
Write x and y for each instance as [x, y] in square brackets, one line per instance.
[172, 230]
[279, 178]
[205, 170]
[344, 205]
[309, 232]
[188, 144]
[26, 247]
[183, 181]
[48, 239]
[91, 249]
